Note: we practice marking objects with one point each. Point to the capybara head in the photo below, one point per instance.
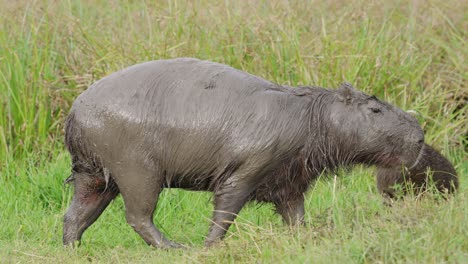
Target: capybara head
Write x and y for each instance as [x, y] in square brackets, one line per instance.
[376, 132]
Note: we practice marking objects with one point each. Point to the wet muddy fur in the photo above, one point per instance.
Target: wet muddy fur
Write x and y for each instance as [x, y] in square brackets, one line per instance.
[199, 125]
[431, 167]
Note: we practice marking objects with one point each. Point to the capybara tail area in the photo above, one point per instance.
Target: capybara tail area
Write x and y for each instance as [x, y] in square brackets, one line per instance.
[83, 160]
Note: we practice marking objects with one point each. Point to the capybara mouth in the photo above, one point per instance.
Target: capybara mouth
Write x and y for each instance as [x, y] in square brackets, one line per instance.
[392, 159]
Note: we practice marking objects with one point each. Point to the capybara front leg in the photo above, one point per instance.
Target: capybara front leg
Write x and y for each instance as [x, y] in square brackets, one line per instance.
[228, 203]
[292, 212]
[140, 190]
[91, 196]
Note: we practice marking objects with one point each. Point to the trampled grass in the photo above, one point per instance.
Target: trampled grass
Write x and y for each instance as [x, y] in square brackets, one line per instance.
[410, 53]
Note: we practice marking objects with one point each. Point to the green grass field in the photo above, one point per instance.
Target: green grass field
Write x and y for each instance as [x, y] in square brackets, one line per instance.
[410, 53]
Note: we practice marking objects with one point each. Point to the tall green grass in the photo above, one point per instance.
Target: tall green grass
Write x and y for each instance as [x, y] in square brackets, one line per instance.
[411, 53]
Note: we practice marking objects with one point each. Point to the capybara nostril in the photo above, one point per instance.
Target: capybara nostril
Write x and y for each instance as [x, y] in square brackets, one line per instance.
[416, 136]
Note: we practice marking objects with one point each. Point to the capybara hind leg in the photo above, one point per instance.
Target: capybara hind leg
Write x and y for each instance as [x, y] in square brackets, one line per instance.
[91, 196]
[292, 212]
[140, 190]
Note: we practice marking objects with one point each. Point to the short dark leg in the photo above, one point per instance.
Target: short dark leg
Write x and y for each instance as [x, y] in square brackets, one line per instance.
[91, 197]
[140, 190]
[228, 203]
[292, 211]
[226, 210]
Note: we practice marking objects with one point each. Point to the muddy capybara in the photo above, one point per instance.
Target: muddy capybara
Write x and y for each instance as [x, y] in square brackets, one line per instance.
[200, 125]
[431, 165]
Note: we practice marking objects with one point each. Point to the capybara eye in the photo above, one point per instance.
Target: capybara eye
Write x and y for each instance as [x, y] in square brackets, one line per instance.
[375, 110]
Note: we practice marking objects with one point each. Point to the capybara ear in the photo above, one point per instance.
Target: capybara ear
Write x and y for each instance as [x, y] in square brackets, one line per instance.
[345, 92]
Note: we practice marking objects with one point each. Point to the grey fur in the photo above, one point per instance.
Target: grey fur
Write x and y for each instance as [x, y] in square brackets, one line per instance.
[200, 125]
[431, 165]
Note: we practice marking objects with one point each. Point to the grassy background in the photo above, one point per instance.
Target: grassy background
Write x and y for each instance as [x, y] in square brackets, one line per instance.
[411, 53]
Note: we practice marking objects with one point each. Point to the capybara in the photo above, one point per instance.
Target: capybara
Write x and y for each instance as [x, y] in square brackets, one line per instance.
[200, 125]
[431, 165]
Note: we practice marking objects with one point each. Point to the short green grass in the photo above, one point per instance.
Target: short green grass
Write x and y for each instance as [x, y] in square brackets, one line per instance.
[411, 53]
